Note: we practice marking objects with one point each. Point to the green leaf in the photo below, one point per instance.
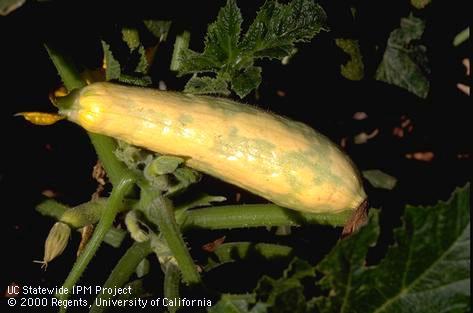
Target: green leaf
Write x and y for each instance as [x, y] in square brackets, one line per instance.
[200, 200]
[404, 62]
[143, 268]
[224, 34]
[426, 270]
[112, 67]
[114, 237]
[159, 29]
[143, 64]
[164, 164]
[134, 80]
[134, 158]
[231, 55]
[354, 68]
[137, 290]
[420, 4]
[243, 83]
[185, 177]
[236, 251]
[207, 85]
[180, 45]
[461, 37]
[286, 294]
[238, 304]
[277, 27]
[131, 37]
[133, 224]
[380, 179]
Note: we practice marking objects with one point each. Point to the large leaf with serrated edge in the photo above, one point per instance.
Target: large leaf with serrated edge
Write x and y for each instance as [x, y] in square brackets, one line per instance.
[426, 270]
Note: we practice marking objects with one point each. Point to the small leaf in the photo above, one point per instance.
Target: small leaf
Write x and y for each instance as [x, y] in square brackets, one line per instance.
[286, 294]
[354, 68]
[237, 304]
[114, 237]
[159, 29]
[461, 37]
[133, 80]
[132, 222]
[244, 83]
[207, 85]
[200, 201]
[181, 44]
[420, 4]
[404, 62]
[143, 268]
[131, 37]
[185, 177]
[133, 157]
[223, 35]
[143, 64]
[137, 290]
[380, 179]
[164, 164]
[110, 64]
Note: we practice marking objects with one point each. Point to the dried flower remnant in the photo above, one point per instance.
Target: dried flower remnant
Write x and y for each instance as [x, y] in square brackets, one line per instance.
[56, 242]
[212, 246]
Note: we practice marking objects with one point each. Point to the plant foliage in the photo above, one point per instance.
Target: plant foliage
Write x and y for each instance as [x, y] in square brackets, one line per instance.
[229, 55]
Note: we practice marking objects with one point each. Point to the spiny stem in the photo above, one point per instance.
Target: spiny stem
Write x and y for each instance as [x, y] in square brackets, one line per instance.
[123, 270]
[106, 221]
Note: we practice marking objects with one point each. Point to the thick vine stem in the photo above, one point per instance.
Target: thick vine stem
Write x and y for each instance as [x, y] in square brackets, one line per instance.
[104, 146]
[162, 210]
[106, 221]
[123, 271]
[172, 280]
[258, 215]
[216, 217]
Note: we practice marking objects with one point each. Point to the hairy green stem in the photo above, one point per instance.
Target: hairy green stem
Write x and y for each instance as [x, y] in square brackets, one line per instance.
[106, 221]
[123, 271]
[69, 74]
[172, 280]
[52, 208]
[258, 215]
[217, 217]
[162, 210]
[104, 146]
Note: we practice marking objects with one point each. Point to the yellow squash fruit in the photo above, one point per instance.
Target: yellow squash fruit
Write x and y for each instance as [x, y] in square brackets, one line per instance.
[284, 161]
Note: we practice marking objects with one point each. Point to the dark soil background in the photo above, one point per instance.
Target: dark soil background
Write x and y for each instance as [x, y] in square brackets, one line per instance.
[60, 158]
